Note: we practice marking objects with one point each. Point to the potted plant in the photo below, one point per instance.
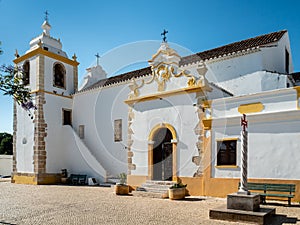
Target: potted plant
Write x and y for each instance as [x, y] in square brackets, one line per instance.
[64, 176]
[177, 191]
[122, 188]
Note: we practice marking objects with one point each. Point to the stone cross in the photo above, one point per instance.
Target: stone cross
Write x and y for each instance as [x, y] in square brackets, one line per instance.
[46, 15]
[164, 35]
[244, 157]
[244, 122]
[98, 57]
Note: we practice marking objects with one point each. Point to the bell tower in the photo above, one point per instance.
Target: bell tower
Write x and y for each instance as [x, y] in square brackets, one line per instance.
[52, 78]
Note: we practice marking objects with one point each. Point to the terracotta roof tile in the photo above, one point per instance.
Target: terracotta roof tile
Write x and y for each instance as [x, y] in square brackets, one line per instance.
[234, 47]
[216, 52]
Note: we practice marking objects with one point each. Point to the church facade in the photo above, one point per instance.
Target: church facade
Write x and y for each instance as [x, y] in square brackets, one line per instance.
[177, 118]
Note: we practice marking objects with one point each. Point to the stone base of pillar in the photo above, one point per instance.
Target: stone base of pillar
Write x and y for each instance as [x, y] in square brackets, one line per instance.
[243, 202]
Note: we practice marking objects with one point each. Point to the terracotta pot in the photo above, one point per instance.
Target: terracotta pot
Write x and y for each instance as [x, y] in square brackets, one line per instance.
[64, 180]
[121, 189]
[176, 193]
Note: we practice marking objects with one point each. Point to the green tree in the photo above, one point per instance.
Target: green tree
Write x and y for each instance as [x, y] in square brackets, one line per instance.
[6, 144]
[11, 84]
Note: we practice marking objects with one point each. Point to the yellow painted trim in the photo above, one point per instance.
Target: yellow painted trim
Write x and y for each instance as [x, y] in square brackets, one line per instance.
[207, 123]
[228, 139]
[50, 93]
[163, 52]
[22, 179]
[165, 94]
[45, 53]
[297, 88]
[251, 108]
[226, 167]
[206, 103]
[162, 125]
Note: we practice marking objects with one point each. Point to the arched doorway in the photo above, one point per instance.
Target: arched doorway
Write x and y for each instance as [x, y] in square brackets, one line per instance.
[162, 153]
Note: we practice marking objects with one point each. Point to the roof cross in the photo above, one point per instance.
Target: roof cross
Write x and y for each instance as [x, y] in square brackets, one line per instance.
[98, 57]
[244, 122]
[46, 15]
[164, 35]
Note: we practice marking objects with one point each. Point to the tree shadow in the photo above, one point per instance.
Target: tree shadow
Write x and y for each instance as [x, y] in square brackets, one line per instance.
[2, 222]
[279, 219]
[282, 204]
[191, 199]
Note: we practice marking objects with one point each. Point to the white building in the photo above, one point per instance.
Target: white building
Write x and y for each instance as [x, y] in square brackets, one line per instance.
[179, 117]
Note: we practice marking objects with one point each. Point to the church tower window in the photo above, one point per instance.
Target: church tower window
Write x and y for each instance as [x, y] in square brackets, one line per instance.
[26, 70]
[59, 75]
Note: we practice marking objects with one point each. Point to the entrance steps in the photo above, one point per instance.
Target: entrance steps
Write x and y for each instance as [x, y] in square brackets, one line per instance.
[154, 189]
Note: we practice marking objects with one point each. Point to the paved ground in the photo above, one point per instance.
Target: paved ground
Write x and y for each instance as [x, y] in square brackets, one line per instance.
[28, 204]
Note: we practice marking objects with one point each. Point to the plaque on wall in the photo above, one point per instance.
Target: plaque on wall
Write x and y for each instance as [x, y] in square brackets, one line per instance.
[118, 130]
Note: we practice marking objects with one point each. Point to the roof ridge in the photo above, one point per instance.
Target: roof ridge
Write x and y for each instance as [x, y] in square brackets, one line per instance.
[238, 46]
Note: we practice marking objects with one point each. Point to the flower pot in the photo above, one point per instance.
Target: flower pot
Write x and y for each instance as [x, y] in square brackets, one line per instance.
[121, 189]
[176, 193]
[64, 180]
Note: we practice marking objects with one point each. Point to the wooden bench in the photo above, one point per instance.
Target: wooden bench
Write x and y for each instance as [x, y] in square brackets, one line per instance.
[273, 190]
[77, 179]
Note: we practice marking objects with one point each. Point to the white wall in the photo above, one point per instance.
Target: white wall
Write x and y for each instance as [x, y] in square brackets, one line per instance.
[179, 112]
[97, 110]
[55, 143]
[273, 134]
[24, 143]
[273, 55]
[247, 74]
[78, 159]
[232, 68]
[6, 163]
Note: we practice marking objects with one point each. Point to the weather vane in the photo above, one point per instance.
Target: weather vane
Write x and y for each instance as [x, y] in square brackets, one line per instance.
[164, 35]
[46, 15]
[98, 57]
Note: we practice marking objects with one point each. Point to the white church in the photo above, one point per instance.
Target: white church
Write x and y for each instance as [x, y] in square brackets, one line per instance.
[177, 118]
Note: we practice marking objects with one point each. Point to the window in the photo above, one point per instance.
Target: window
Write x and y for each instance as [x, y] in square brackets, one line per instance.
[26, 69]
[287, 62]
[226, 154]
[67, 117]
[59, 74]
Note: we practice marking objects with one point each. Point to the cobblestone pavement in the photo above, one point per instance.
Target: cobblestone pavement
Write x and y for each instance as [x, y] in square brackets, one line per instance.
[54, 204]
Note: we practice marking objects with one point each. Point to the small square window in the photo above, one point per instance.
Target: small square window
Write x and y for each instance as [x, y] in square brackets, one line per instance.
[226, 153]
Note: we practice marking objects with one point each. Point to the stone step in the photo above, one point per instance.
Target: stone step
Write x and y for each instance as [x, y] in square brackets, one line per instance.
[149, 194]
[160, 182]
[154, 189]
[155, 186]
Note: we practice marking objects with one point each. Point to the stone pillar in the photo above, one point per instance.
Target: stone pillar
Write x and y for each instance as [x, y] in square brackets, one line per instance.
[39, 148]
[244, 159]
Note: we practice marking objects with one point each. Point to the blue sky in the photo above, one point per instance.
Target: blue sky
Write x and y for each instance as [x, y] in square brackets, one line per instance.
[91, 26]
